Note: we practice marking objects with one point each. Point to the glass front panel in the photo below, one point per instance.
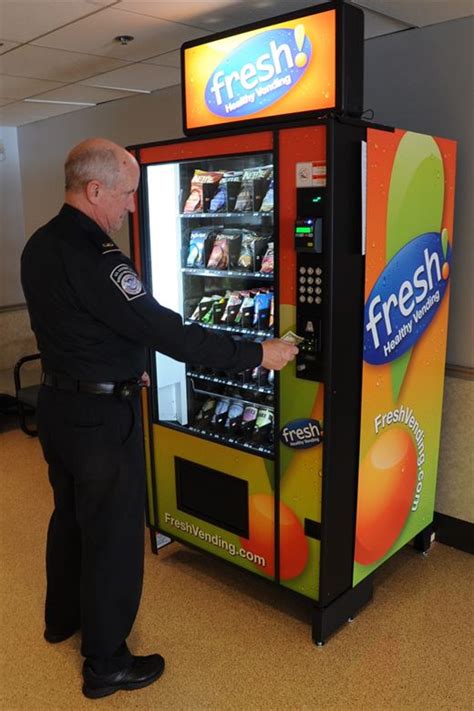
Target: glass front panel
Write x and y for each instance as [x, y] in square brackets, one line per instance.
[211, 234]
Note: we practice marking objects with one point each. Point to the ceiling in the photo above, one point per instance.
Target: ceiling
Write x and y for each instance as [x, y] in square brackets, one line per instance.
[58, 56]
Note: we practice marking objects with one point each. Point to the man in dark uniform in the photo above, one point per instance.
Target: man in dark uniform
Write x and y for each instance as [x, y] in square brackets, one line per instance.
[93, 320]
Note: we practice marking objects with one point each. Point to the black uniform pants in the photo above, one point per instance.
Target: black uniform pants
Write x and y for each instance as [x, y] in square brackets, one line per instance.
[94, 557]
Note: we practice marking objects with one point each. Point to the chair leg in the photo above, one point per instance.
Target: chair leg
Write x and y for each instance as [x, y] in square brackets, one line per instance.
[24, 427]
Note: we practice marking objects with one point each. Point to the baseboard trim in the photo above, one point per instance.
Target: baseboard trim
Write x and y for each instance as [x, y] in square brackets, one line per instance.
[454, 532]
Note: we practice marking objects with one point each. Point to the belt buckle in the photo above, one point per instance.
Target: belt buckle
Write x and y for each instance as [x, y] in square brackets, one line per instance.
[128, 387]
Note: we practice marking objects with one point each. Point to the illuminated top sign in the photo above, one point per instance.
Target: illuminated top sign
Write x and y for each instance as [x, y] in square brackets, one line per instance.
[278, 70]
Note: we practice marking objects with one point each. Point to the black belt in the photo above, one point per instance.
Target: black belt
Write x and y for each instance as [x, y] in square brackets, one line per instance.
[63, 382]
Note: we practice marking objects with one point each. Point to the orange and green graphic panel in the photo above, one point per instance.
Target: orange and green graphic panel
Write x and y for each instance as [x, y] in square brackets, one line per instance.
[255, 553]
[410, 204]
[301, 401]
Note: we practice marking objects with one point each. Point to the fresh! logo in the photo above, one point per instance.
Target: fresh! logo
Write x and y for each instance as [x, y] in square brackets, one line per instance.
[258, 72]
[302, 434]
[406, 297]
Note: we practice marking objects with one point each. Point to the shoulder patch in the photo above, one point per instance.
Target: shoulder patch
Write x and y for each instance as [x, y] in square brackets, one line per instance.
[126, 279]
[107, 247]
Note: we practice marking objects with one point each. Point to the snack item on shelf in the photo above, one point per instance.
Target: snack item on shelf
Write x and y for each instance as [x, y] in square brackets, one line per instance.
[220, 414]
[263, 429]
[267, 261]
[261, 319]
[226, 249]
[246, 312]
[232, 308]
[234, 417]
[260, 375]
[249, 419]
[195, 200]
[229, 183]
[199, 246]
[272, 312]
[267, 204]
[204, 306]
[214, 314]
[254, 184]
[251, 251]
[205, 414]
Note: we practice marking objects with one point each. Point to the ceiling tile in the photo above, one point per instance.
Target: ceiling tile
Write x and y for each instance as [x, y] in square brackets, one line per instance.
[5, 45]
[421, 12]
[81, 92]
[191, 12]
[19, 113]
[19, 87]
[95, 35]
[43, 16]
[142, 77]
[170, 59]
[42, 63]
[216, 15]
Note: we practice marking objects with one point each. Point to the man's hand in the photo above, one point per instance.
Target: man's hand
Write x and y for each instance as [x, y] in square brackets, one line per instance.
[145, 379]
[276, 353]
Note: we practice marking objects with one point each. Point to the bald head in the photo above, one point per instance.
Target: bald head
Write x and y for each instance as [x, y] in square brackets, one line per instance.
[101, 181]
[95, 159]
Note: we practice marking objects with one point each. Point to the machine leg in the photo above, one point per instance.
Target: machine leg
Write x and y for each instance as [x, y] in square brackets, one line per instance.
[422, 541]
[154, 547]
[327, 620]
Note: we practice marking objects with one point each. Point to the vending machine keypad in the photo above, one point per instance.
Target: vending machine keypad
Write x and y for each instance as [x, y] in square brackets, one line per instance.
[309, 281]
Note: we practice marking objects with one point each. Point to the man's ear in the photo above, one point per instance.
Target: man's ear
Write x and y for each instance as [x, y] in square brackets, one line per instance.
[93, 191]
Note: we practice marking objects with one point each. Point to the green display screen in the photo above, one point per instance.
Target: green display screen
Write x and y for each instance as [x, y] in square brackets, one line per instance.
[303, 230]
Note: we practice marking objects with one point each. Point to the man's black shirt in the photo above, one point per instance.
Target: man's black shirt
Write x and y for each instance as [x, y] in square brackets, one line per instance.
[93, 318]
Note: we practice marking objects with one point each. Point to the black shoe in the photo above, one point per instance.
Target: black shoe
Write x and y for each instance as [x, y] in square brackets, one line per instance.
[142, 672]
[54, 637]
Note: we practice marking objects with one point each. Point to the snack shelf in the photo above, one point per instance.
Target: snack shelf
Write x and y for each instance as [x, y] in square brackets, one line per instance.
[247, 446]
[227, 273]
[210, 393]
[268, 389]
[232, 329]
[220, 215]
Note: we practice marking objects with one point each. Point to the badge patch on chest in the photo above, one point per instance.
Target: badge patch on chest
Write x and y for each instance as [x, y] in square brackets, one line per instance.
[127, 281]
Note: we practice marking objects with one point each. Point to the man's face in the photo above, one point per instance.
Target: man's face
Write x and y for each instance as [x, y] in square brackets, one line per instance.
[118, 201]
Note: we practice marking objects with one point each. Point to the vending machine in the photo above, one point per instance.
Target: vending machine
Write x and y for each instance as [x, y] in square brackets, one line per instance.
[283, 214]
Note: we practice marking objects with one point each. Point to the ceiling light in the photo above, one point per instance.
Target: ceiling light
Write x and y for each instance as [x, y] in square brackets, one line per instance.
[67, 103]
[121, 88]
[124, 39]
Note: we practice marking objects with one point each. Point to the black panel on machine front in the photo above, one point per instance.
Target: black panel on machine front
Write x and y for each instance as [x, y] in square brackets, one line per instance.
[212, 496]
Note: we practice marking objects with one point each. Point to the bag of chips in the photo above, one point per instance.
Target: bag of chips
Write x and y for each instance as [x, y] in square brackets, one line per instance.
[204, 306]
[195, 200]
[220, 201]
[267, 204]
[200, 242]
[225, 250]
[267, 261]
[253, 188]
[261, 319]
[251, 251]
[205, 414]
[232, 308]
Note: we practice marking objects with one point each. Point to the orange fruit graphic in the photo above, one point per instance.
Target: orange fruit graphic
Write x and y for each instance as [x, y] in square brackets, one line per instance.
[445, 271]
[293, 543]
[387, 480]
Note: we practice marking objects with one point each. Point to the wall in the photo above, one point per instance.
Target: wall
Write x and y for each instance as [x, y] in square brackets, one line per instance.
[44, 145]
[11, 219]
[422, 79]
